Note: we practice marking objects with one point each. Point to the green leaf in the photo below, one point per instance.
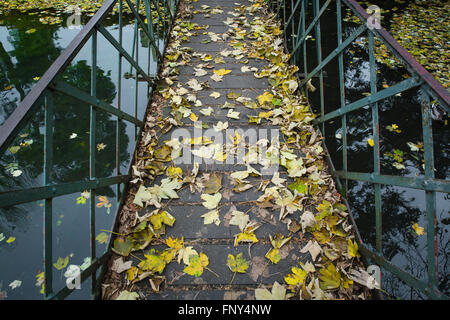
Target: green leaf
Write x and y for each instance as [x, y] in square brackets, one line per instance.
[61, 263]
[102, 237]
[238, 263]
[196, 265]
[329, 277]
[122, 247]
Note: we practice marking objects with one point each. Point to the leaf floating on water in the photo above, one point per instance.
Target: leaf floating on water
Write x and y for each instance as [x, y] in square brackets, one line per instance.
[11, 240]
[61, 263]
[102, 237]
[418, 229]
[15, 284]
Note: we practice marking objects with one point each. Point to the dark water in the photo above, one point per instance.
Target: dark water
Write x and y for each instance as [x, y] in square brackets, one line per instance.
[25, 55]
[402, 207]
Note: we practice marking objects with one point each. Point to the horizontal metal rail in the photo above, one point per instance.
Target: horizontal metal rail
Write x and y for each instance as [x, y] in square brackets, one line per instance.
[42, 94]
[419, 79]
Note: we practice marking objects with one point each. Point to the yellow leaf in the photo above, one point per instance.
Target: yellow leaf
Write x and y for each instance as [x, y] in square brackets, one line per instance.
[238, 264]
[418, 229]
[265, 97]
[174, 243]
[370, 142]
[222, 72]
[193, 117]
[11, 239]
[132, 273]
[297, 276]
[196, 264]
[245, 236]
[273, 255]
[329, 277]
[153, 263]
[353, 249]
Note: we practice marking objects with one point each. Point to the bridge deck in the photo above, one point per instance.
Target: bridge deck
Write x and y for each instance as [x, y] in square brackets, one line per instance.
[217, 241]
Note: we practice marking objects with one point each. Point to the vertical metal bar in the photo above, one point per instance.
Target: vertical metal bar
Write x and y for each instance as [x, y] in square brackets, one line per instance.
[119, 99]
[292, 26]
[430, 196]
[133, 49]
[376, 146]
[148, 12]
[48, 204]
[305, 59]
[92, 144]
[319, 60]
[137, 78]
[299, 30]
[284, 19]
[342, 91]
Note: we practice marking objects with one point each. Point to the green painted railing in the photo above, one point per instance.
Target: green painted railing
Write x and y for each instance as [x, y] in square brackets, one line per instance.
[51, 82]
[296, 32]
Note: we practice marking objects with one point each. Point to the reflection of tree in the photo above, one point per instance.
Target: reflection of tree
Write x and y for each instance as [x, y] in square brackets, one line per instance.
[403, 110]
[32, 54]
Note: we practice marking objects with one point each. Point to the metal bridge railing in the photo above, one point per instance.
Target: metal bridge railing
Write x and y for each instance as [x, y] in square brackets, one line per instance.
[41, 95]
[296, 32]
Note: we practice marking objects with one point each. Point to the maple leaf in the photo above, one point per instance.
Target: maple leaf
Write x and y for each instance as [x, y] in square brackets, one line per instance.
[211, 217]
[219, 126]
[297, 276]
[313, 248]
[329, 277]
[215, 95]
[239, 219]
[418, 229]
[211, 201]
[247, 235]
[214, 184]
[278, 293]
[61, 263]
[265, 97]
[352, 249]
[122, 246]
[15, 284]
[207, 111]
[153, 263]
[102, 237]
[216, 77]
[233, 114]
[196, 265]
[238, 263]
[273, 255]
[222, 72]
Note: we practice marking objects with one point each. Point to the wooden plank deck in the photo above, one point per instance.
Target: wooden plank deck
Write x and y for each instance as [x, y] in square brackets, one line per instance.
[218, 241]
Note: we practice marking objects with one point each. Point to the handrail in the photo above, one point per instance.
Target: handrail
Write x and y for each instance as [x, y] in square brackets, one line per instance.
[420, 79]
[42, 94]
[17, 120]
